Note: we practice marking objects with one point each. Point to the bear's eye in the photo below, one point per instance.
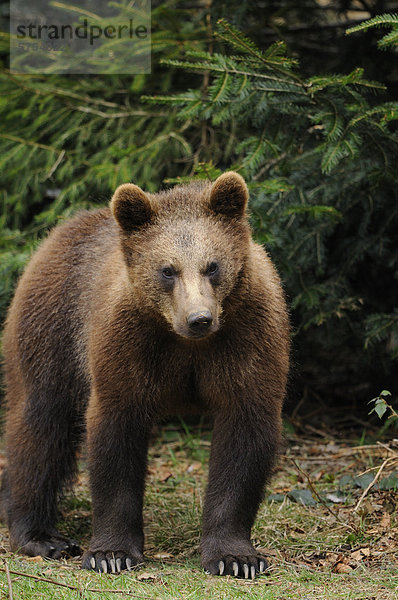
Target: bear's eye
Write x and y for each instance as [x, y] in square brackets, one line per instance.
[168, 273]
[212, 269]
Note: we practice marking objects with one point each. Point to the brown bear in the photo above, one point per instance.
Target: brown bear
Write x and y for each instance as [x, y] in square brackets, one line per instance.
[160, 304]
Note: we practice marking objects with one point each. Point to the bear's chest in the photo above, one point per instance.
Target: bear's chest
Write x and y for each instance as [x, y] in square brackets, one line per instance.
[184, 396]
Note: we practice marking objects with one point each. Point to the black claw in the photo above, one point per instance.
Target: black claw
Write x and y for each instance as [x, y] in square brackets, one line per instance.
[54, 547]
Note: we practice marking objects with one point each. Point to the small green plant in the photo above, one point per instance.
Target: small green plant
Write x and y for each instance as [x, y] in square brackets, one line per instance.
[381, 406]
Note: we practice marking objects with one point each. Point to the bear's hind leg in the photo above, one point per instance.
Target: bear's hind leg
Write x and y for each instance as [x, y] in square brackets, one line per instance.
[42, 437]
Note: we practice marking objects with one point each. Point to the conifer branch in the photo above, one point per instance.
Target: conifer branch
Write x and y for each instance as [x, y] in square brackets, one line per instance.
[30, 143]
[386, 20]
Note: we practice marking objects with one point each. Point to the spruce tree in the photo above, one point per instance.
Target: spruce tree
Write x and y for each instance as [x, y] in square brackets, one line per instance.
[67, 141]
[321, 156]
[319, 153]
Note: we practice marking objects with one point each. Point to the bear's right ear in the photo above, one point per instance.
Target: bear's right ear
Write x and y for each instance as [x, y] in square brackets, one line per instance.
[131, 207]
[229, 195]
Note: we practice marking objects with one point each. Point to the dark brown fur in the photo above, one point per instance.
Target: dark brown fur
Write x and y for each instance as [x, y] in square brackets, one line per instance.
[161, 304]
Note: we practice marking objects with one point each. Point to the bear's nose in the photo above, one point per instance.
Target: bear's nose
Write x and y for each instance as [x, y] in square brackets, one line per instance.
[199, 322]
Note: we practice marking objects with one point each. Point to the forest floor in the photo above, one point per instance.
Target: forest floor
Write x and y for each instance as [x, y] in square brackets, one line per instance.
[328, 526]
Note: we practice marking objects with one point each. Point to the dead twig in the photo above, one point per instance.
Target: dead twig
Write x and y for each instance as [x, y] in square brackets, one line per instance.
[320, 499]
[386, 447]
[7, 570]
[55, 165]
[374, 480]
[391, 459]
[379, 446]
[319, 459]
[66, 585]
[116, 115]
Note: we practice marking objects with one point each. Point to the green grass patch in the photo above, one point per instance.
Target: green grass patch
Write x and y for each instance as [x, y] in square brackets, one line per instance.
[330, 548]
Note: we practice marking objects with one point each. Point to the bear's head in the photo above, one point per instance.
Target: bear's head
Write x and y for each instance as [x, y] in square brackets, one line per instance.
[185, 249]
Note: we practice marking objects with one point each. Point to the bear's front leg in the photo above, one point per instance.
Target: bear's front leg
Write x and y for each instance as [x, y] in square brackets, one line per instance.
[243, 452]
[117, 448]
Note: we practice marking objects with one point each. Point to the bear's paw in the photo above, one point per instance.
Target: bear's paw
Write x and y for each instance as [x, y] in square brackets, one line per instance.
[50, 547]
[111, 562]
[244, 567]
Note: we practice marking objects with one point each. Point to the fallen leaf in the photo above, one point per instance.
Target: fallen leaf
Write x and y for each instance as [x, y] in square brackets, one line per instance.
[336, 497]
[385, 521]
[342, 568]
[163, 556]
[360, 554]
[364, 480]
[268, 551]
[331, 557]
[276, 497]
[346, 480]
[194, 467]
[389, 483]
[302, 496]
[35, 559]
[146, 577]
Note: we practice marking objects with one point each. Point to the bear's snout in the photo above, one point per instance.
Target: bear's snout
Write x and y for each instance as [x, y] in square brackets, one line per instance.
[199, 322]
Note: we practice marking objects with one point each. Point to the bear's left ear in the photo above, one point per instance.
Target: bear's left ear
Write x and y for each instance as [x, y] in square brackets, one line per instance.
[229, 195]
[131, 207]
